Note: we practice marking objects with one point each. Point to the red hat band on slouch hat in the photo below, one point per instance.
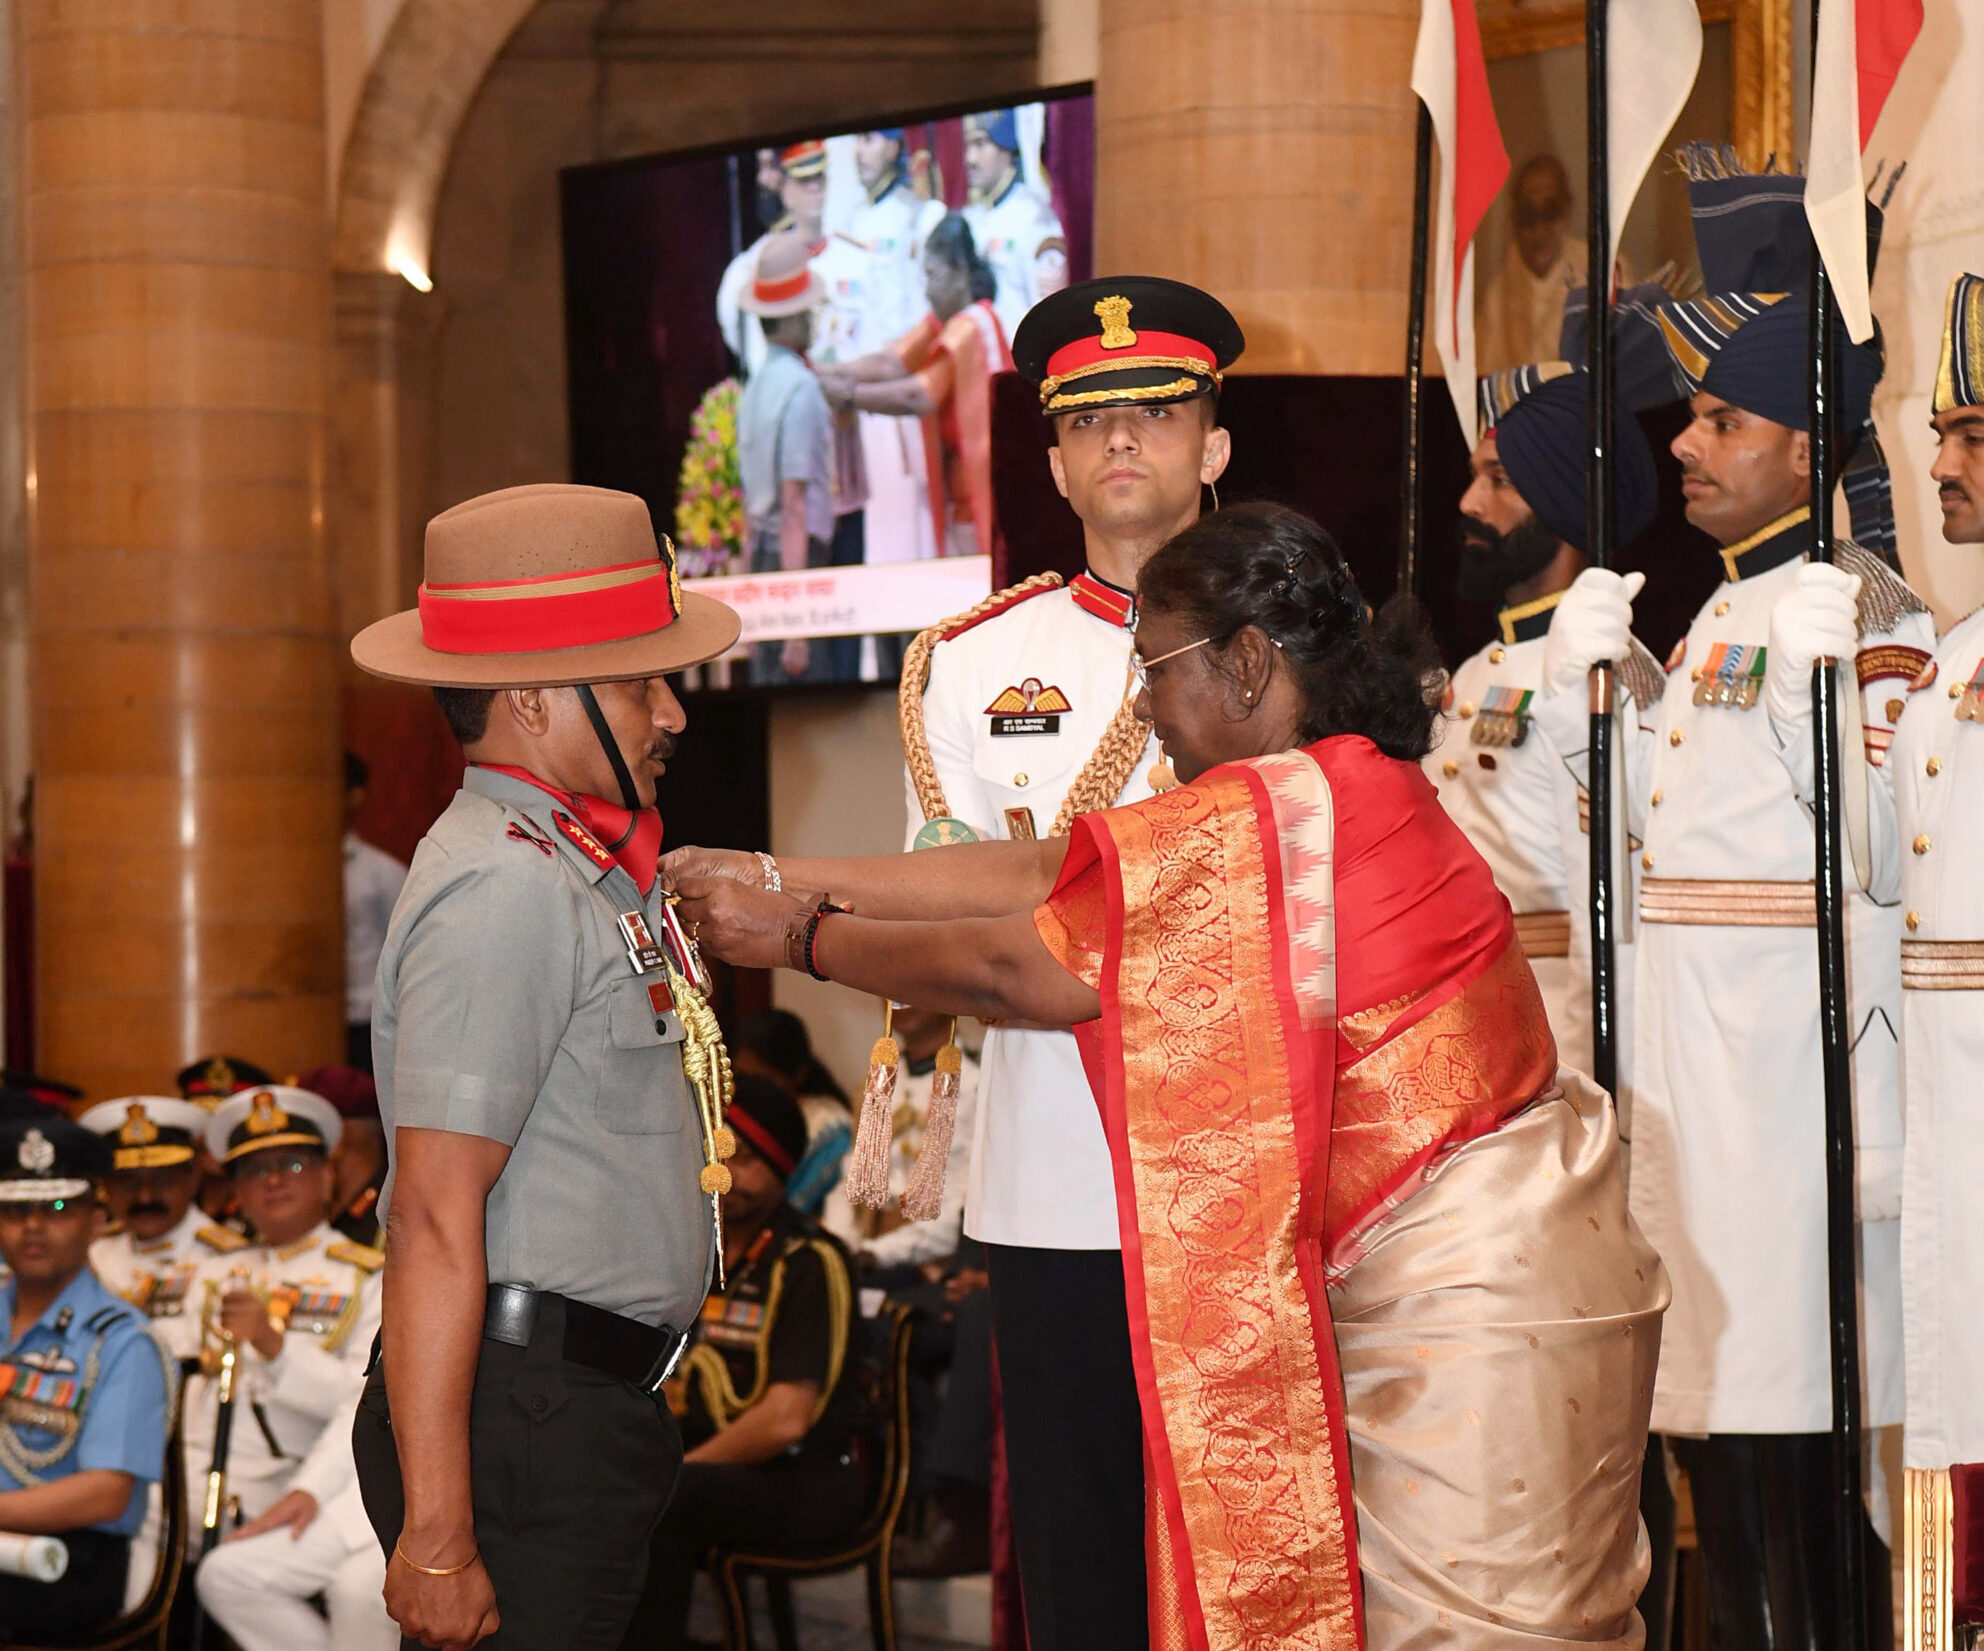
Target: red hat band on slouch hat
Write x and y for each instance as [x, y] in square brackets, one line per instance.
[783, 288]
[558, 610]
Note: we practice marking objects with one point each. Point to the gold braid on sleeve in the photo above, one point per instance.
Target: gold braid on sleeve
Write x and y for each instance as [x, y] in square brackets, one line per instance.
[916, 680]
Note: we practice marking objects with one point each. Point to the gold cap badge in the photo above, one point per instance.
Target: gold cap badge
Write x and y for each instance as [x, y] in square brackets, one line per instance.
[264, 1116]
[137, 1130]
[1114, 314]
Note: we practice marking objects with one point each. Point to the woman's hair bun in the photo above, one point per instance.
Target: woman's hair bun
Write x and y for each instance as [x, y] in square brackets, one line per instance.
[1267, 566]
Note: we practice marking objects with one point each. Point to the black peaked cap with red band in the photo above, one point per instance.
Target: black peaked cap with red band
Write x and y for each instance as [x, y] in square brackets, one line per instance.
[1125, 340]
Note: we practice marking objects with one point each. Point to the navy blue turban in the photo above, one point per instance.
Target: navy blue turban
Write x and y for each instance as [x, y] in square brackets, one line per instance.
[1540, 427]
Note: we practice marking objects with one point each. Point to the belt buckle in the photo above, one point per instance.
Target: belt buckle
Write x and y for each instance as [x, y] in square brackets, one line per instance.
[664, 1366]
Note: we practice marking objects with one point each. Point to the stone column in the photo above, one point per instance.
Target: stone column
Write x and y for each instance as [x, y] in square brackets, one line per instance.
[186, 747]
[1262, 149]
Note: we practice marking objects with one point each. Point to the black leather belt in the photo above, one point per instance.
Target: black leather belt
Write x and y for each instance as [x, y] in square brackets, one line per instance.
[610, 1343]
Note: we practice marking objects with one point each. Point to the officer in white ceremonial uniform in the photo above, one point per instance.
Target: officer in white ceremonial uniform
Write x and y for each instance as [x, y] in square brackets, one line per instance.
[313, 1540]
[890, 226]
[1503, 781]
[1026, 720]
[1729, 1160]
[162, 1235]
[1935, 769]
[302, 1305]
[1013, 226]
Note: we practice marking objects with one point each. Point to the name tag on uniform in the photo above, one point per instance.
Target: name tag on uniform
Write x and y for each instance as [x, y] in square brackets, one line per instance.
[1029, 708]
[639, 940]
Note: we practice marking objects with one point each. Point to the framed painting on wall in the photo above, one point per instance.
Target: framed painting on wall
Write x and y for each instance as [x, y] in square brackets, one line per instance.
[1530, 248]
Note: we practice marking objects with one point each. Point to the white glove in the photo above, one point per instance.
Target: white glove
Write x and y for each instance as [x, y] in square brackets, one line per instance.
[1816, 618]
[1593, 622]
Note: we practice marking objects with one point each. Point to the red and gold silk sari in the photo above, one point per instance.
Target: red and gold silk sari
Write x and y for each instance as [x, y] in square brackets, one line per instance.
[1262, 1130]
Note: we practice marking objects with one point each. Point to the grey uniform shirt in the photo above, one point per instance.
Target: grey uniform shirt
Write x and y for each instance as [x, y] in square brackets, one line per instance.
[508, 1008]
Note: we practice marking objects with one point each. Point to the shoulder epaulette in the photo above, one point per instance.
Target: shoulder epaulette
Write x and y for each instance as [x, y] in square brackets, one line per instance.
[225, 1240]
[1885, 597]
[104, 1318]
[358, 1255]
[995, 604]
[1642, 675]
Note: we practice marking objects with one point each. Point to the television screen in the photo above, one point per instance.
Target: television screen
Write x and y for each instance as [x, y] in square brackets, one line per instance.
[787, 349]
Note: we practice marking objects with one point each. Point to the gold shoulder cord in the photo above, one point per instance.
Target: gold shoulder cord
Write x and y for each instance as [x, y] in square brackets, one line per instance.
[706, 1063]
[1103, 776]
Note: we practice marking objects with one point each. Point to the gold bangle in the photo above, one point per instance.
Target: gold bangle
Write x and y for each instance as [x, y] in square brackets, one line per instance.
[399, 1553]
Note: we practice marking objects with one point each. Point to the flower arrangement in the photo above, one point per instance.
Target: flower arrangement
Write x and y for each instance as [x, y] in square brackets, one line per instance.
[709, 494]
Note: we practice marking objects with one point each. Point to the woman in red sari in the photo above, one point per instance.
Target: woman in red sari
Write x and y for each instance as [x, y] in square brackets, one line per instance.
[1395, 1332]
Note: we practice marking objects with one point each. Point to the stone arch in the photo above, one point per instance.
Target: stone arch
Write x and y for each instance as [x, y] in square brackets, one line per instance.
[434, 57]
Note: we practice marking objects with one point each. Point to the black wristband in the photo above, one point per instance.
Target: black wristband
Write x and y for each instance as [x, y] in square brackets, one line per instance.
[812, 934]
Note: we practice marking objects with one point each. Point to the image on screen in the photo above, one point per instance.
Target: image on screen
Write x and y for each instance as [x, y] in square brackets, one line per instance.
[787, 349]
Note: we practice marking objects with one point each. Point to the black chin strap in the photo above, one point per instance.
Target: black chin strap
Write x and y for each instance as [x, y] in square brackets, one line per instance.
[629, 797]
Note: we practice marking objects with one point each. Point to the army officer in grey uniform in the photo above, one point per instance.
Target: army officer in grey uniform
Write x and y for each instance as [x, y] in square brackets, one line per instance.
[545, 1077]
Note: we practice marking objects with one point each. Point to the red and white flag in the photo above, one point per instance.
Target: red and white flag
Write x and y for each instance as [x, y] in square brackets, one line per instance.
[1856, 56]
[1450, 76]
[1653, 49]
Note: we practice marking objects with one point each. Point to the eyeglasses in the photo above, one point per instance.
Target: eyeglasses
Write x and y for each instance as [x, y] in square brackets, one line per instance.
[261, 1166]
[1140, 667]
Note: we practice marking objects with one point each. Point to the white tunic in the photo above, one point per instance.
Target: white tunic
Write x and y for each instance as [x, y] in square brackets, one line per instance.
[1729, 1129]
[1518, 805]
[892, 230]
[1942, 1053]
[1021, 238]
[1040, 1171]
[310, 1385]
[156, 1273]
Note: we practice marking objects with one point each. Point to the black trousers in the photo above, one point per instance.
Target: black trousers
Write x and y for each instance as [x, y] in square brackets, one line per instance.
[731, 1504]
[90, 1594]
[1763, 1516]
[1074, 1446]
[570, 1471]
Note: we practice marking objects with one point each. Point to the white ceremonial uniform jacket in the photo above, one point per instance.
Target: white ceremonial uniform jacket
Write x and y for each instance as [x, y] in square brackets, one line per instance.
[311, 1384]
[156, 1274]
[1729, 1115]
[1936, 767]
[892, 231]
[1040, 1170]
[1021, 238]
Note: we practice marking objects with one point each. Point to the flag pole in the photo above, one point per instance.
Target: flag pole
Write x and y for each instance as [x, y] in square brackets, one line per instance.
[1599, 535]
[1835, 1018]
[1410, 511]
